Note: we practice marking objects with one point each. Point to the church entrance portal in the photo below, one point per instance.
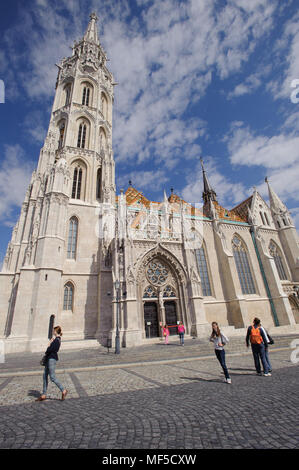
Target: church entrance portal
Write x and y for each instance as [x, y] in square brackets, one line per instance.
[151, 316]
[171, 316]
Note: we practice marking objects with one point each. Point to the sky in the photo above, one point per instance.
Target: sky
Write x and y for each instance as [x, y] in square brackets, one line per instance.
[210, 79]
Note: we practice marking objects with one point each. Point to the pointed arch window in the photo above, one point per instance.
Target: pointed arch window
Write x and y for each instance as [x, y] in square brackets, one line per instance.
[68, 296]
[169, 292]
[104, 103]
[243, 267]
[61, 134]
[266, 217]
[202, 267]
[99, 183]
[86, 96]
[275, 252]
[150, 293]
[82, 135]
[77, 183]
[72, 238]
[67, 91]
[103, 139]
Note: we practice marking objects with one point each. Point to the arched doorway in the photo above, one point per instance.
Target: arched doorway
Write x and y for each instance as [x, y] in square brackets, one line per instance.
[171, 316]
[161, 280]
[151, 323]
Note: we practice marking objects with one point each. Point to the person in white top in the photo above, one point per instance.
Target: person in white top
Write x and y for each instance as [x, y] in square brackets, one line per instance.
[219, 340]
[269, 341]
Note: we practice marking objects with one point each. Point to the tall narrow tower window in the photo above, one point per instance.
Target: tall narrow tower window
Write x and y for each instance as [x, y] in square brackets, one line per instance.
[61, 135]
[275, 252]
[81, 136]
[243, 267]
[104, 104]
[99, 183]
[67, 91]
[68, 297]
[77, 182]
[203, 271]
[72, 238]
[86, 96]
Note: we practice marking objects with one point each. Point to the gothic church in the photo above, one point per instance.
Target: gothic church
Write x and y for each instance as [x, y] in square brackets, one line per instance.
[98, 263]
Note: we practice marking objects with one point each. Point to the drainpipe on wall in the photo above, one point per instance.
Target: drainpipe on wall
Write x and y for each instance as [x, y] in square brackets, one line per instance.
[264, 278]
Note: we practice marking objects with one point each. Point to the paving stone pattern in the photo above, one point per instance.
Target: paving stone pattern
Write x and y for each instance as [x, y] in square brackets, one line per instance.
[179, 405]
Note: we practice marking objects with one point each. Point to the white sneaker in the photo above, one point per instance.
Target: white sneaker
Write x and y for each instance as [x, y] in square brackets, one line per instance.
[229, 381]
[267, 375]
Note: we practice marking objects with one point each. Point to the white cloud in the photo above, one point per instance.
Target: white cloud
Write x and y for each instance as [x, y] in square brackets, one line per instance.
[143, 180]
[249, 149]
[163, 62]
[289, 42]
[278, 155]
[15, 174]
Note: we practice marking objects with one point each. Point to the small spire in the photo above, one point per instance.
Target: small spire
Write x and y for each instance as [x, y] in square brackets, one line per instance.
[208, 193]
[92, 30]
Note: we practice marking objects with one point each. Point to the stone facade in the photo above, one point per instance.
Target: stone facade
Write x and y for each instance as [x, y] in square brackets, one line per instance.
[75, 238]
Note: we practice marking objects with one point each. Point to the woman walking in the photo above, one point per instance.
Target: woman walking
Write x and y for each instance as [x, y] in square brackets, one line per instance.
[52, 358]
[219, 340]
[166, 333]
[181, 332]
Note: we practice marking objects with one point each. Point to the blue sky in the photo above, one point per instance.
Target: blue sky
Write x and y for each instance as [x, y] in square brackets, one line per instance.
[196, 78]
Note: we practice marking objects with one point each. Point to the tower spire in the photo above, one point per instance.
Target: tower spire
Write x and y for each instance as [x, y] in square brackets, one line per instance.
[92, 30]
[276, 205]
[208, 192]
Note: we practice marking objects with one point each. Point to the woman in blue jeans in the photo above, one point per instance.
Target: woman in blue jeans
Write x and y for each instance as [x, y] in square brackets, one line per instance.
[219, 340]
[52, 358]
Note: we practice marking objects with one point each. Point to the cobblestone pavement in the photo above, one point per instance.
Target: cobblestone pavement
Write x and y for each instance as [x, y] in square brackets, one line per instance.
[175, 405]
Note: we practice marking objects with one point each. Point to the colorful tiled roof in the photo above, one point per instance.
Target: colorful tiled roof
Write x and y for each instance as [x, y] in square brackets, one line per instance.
[237, 214]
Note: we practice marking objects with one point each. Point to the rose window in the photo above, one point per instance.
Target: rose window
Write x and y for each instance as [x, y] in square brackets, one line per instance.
[157, 273]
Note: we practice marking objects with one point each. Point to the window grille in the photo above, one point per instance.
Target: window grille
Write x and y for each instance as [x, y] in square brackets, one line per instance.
[243, 267]
[68, 296]
[203, 271]
[274, 251]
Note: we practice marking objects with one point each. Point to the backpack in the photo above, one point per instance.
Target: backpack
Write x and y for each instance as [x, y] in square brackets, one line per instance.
[255, 336]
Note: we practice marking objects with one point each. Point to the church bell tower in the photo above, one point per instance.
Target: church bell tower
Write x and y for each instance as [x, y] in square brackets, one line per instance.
[54, 261]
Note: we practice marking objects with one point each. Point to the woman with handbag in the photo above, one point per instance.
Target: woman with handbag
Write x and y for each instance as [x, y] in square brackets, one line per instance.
[51, 358]
[219, 340]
